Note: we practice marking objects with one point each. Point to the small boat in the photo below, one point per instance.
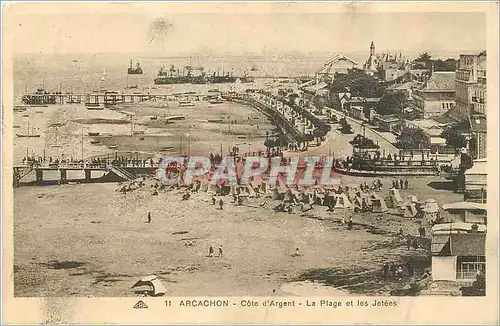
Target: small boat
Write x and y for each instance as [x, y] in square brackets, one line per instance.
[213, 90]
[28, 135]
[93, 142]
[174, 117]
[38, 111]
[215, 101]
[113, 147]
[20, 108]
[242, 137]
[139, 132]
[185, 103]
[167, 149]
[16, 126]
[25, 115]
[214, 120]
[142, 138]
[94, 106]
[154, 117]
[55, 146]
[94, 133]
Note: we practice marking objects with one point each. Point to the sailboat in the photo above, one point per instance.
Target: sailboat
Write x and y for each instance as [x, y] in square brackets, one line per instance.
[28, 134]
[56, 145]
[103, 81]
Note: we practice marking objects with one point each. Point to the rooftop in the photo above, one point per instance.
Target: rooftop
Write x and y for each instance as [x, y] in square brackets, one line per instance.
[441, 81]
[478, 123]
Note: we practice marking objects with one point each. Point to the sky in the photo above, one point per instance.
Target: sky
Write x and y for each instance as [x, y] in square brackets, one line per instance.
[175, 34]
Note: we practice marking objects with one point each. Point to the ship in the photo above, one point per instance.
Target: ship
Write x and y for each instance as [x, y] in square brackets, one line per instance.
[191, 75]
[254, 68]
[40, 97]
[135, 71]
[247, 79]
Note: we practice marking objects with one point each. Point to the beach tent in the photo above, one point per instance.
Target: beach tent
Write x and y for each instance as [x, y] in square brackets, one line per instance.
[378, 204]
[251, 191]
[151, 285]
[342, 201]
[431, 210]
[394, 198]
[358, 204]
[412, 199]
[409, 210]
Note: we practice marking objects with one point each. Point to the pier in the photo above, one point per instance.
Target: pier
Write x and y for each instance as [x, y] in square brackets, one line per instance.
[113, 171]
[111, 98]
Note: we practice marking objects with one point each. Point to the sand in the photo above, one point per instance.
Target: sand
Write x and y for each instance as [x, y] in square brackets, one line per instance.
[90, 240]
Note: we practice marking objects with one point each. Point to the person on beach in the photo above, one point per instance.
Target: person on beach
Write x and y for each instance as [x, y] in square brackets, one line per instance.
[406, 184]
[386, 269]
[149, 217]
[210, 251]
[213, 200]
[350, 224]
[220, 251]
[221, 203]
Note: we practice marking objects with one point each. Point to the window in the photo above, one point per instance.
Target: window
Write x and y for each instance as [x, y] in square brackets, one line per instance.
[467, 267]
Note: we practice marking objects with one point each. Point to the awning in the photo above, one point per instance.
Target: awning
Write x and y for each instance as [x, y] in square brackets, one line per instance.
[438, 141]
[464, 206]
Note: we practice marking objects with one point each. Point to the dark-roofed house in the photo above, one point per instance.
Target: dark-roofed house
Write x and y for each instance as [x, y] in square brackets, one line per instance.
[458, 256]
[437, 95]
[388, 123]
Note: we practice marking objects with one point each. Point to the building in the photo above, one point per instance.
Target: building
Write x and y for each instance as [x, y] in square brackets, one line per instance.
[357, 106]
[338, 64]
[371, 65]
[405, 88]
[466, 212]
[478, 134]
[476, 181]
[388, 123]
[458, 255]
[436, 96]
[471, 85]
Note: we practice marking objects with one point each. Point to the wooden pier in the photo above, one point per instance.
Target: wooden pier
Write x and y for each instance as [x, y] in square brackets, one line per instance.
[113, 98]
[118, 172]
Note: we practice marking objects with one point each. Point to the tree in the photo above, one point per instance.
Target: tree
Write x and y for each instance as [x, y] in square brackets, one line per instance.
[454, 137]
[357, 82]
[449, 64]
[424, 57]
[392, 103]
[412, 138]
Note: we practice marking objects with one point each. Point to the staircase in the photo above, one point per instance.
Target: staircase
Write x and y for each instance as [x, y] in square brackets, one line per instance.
[122, 173]
[20, 173]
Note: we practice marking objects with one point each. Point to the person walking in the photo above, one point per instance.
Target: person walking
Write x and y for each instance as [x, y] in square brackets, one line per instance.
[149, 217]
[386, 269]
[406, 184]
[221, 203]
[210, 251]
[220, 251]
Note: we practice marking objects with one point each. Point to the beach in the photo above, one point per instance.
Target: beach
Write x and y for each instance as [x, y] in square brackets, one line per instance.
[91, 240]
